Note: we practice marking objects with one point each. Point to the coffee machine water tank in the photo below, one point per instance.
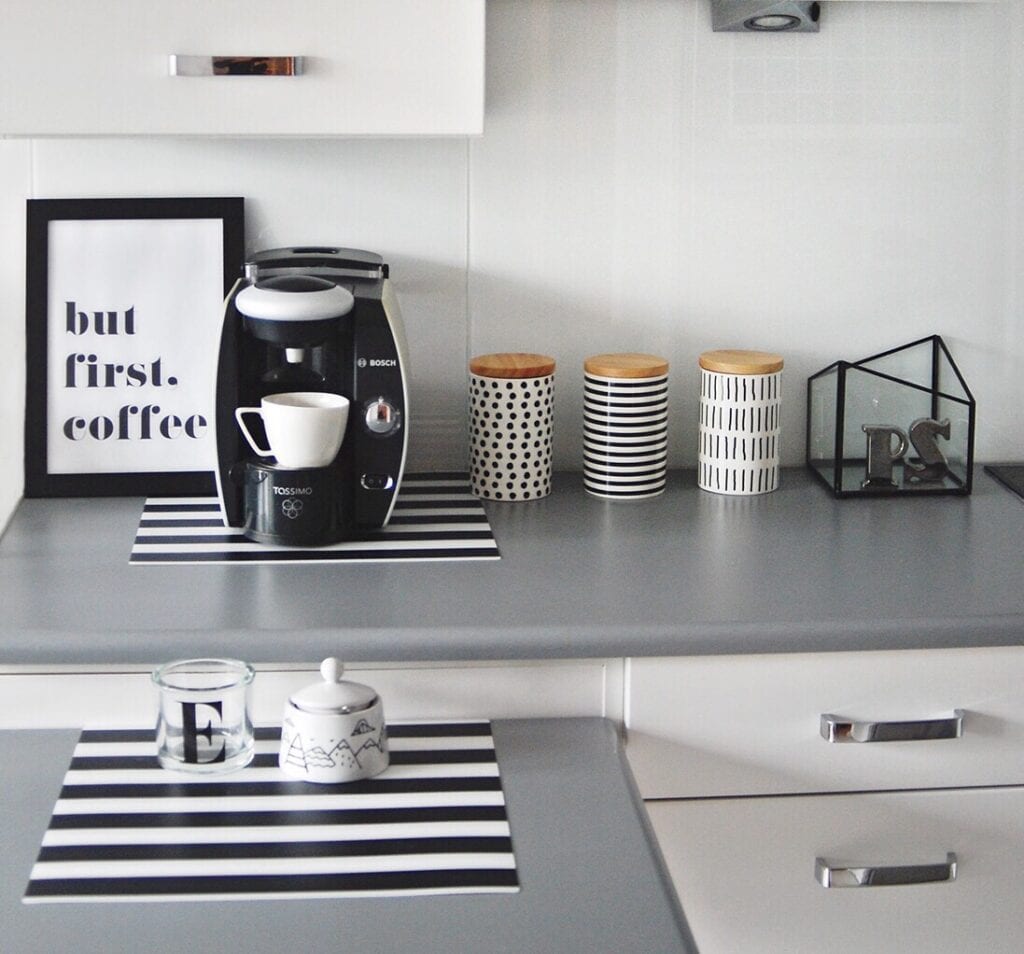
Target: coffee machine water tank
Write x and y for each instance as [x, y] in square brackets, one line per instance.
[314, 319]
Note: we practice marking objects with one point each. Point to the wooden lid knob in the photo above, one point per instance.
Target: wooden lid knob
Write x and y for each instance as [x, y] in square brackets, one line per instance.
[730, 361]
[629, 365]
[512, 365]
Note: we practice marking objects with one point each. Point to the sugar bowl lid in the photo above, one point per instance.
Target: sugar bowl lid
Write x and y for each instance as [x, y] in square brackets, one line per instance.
[333, 694]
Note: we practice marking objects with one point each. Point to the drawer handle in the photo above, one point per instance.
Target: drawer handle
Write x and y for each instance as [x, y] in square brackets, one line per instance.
[865, 876]
[837, 729]
[235, 65]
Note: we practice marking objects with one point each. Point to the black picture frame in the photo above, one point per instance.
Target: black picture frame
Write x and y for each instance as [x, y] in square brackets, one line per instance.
[39, 480]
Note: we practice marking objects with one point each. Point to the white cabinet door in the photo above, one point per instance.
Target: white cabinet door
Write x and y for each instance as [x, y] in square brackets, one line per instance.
[371, 67]
[744, 870]
[740, 725]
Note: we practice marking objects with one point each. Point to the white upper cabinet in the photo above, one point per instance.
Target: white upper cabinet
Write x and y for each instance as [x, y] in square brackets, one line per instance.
[368, 67]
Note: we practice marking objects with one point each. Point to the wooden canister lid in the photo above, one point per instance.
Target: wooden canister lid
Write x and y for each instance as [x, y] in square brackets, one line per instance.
[730, 361]
[512, 365]
[629, 365]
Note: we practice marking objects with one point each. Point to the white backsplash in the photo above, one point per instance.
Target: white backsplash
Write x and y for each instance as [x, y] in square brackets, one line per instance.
[644, 184]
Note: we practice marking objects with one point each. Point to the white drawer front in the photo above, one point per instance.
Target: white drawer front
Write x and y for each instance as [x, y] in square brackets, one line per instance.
[751, 724]
[497, 690]
[372, 67]
[744, 872]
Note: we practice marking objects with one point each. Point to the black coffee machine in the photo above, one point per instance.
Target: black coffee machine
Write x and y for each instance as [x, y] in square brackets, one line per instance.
[315, 319]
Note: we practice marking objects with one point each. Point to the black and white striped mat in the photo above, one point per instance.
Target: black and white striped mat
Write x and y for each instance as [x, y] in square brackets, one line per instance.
[124, 829]
[435, 518]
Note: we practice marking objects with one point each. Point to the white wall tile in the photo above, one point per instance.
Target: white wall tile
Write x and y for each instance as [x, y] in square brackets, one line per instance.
[646, 184]
[581, 226]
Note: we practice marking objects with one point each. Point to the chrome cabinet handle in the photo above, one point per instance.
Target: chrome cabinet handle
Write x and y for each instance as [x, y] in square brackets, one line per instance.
[837, 729]
[866, 876]
[179, 65]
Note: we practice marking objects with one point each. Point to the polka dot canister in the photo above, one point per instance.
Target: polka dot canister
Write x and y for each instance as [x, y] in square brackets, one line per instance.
[625, 425]
[740, 403]
[511, 404]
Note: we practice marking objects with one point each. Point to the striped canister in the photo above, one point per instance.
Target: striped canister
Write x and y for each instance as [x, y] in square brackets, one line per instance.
[740, 401]
[511, 404]
[625, 425]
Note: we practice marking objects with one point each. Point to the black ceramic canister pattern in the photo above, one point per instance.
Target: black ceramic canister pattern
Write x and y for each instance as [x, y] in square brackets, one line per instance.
[511, 404]
[625, 426]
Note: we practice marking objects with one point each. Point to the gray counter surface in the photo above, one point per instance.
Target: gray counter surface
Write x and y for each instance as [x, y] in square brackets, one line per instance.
[689, 572]
[591, 879]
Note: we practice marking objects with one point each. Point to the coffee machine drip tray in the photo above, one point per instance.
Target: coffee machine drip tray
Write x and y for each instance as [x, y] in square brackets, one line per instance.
[436, 517]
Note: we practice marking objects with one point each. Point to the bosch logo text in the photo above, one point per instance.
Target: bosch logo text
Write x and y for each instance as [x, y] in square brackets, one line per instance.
[377, 363]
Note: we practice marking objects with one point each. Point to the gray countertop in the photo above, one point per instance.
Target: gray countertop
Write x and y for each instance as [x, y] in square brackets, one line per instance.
[688, 572]
[591, 879]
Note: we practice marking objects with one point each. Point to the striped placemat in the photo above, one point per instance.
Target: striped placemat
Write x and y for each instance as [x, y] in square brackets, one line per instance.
[124, 829]
[436, 517]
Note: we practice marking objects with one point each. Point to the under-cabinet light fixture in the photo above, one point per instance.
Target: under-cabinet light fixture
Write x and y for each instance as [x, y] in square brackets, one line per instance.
[765, 16]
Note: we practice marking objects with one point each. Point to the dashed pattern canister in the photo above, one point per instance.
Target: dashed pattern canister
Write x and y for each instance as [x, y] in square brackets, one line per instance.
[511, 404]
[740, 403]
[625, 425]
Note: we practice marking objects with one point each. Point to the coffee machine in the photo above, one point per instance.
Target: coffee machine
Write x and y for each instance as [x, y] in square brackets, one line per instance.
[313, 319]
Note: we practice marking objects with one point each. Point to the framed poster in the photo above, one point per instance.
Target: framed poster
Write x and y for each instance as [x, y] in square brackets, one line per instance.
[123, 311]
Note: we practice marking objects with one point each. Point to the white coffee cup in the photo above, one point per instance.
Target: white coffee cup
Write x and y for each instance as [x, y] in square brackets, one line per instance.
[304, 428]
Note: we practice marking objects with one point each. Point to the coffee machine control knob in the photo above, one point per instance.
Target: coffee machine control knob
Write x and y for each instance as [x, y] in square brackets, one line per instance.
[382, 417]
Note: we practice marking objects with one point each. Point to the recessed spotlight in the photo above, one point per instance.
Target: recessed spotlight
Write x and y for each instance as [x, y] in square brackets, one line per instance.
[772, 22]
[765, 16]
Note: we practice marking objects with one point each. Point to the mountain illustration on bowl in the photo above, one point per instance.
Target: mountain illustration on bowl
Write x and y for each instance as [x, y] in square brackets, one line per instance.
[308, 755]
[362, 727]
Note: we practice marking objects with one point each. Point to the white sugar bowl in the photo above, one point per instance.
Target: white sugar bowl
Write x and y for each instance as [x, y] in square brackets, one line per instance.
[333, 731]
